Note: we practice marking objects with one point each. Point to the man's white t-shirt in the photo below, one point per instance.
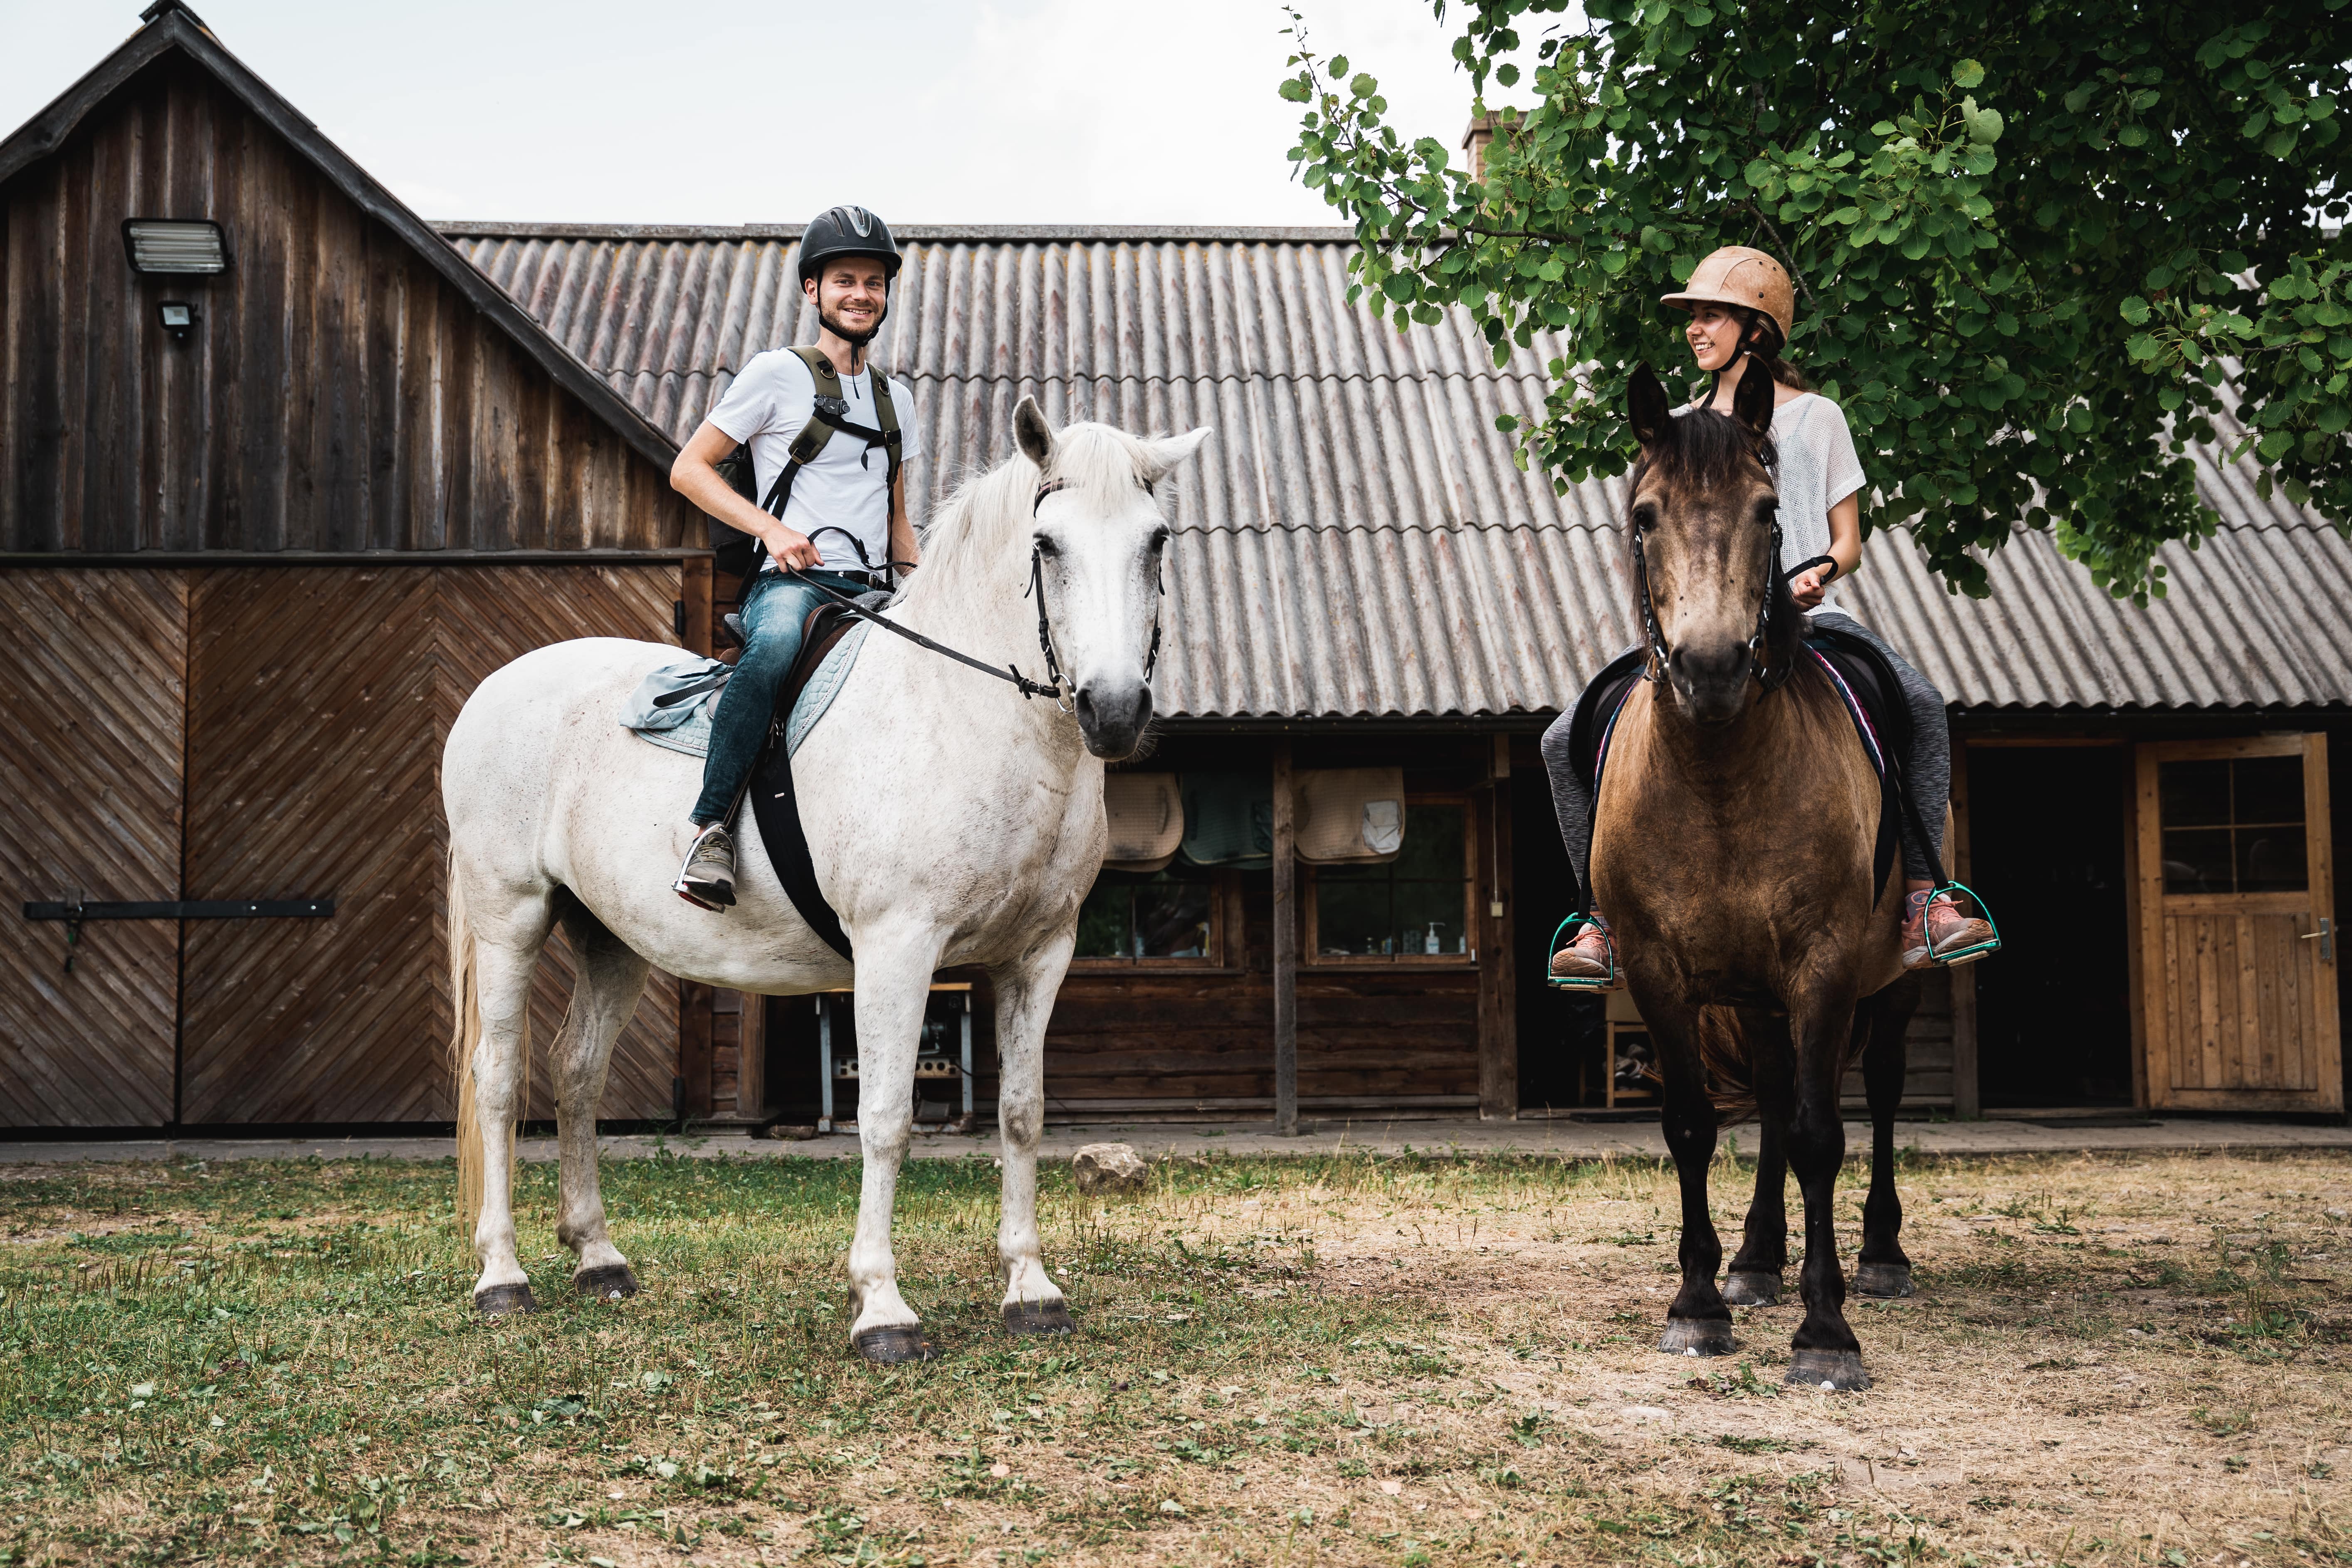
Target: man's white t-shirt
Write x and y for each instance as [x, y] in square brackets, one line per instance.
[846, 487]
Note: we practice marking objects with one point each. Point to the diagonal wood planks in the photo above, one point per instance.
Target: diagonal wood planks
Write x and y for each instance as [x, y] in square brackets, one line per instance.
[94, 664]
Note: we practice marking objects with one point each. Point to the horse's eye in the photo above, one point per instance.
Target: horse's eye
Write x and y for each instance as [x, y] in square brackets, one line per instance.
[1045, 545]
[1645, 518]
[1159, 537]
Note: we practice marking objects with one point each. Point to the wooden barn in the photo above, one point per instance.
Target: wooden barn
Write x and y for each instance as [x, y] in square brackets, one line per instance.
[267, 521]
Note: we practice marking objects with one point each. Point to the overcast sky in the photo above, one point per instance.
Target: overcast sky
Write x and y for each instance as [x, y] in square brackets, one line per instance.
[933, 111]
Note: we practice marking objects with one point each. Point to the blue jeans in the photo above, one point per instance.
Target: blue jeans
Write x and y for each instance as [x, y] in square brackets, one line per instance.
[773, 614]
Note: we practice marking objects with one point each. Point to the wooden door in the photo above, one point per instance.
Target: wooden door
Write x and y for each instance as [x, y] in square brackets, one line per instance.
[2236, 916]
[319, 700]
[93, 664]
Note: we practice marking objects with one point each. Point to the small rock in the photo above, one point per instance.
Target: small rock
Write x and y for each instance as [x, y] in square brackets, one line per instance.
[1648, 1413]
[1109, 1168]
[1392, 1487]
[999, 1469]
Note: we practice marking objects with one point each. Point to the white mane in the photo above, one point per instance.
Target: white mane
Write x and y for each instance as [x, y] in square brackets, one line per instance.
[981, 527]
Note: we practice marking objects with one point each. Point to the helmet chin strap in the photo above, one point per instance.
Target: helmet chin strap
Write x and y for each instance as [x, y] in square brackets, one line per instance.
[856, 340]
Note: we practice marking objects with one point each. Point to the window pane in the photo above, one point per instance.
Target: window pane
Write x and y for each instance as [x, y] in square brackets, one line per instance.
[1171, 918]
[2270, 860]
[2268, 790]
[1102, 919]
[1350, 917]
[2194, 794]
[1430, 910]
[1432, 844]
[2196, 860]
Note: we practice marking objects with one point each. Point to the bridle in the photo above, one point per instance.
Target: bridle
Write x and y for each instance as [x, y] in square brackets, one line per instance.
[1758, 644]
[1059, 682]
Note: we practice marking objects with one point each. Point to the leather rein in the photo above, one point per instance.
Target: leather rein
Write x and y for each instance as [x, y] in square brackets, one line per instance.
[1058, 685]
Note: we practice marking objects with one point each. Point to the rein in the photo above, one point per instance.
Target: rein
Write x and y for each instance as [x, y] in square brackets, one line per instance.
[1058, 684]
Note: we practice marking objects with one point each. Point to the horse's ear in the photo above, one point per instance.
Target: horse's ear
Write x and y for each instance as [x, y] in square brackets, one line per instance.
[1036, 436]
[1645, 408]
[1174, 452]
[1751, 403]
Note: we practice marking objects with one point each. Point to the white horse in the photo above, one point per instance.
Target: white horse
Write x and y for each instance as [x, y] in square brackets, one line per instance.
[952, 822]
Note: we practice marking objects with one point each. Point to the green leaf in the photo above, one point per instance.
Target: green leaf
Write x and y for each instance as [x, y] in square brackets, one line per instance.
[1337, 67]
[1967, 73]
[1297, 90]
[2135, 309]
[1363, 86]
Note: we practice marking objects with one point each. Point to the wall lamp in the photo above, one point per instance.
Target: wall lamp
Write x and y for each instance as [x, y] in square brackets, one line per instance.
[177, 317]
[174, 248]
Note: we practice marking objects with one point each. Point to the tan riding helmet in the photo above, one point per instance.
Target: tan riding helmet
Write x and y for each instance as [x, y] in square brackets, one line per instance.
[1736, 275]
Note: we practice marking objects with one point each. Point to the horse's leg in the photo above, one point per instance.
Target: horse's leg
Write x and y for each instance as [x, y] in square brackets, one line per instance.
[1883, 1271]
[1699, 1323]
[1024, 999]
[1754, 1279]
[1827, 1353]
[604, 995]
[506, 946]
[894, 979]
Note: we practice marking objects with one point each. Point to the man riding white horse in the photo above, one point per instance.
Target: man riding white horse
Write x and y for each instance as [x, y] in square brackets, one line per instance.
[813, 419]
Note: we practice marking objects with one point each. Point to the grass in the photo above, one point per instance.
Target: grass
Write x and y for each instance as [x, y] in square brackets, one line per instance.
[1313, 1362]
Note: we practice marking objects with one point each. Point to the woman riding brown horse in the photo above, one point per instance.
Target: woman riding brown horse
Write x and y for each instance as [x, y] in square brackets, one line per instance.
[1734, 850]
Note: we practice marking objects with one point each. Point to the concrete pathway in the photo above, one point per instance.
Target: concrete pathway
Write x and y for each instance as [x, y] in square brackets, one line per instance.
[1560, 1140]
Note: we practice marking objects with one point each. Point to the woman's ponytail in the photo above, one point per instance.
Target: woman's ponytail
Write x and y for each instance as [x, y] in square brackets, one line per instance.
[1764, 343]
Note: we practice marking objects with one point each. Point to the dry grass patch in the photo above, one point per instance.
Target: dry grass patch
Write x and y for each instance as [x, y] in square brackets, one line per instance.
[1312, 1362]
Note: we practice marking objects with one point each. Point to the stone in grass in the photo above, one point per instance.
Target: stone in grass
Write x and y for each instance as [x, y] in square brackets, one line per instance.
[1109, 1168]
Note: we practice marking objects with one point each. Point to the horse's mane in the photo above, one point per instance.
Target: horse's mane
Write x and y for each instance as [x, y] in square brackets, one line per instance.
[982, 526]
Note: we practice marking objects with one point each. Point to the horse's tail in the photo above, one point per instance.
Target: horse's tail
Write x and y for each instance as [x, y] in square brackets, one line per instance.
[465, 1034]
[1723, 1052]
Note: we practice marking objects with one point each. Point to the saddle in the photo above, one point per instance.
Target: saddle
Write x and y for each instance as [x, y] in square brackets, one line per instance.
[776, 804]
[1864, 682]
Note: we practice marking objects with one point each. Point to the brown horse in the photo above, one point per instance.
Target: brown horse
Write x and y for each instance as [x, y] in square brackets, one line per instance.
[1733, 849]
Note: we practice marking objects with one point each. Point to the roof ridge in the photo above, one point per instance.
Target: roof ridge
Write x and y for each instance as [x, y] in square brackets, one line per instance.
[936, 233]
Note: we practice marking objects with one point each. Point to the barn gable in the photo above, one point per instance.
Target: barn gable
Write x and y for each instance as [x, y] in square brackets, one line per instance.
[350, 382]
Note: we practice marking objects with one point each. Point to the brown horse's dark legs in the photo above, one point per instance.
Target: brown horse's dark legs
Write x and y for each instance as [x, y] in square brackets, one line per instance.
[1826, 1349]
[1754, 1279]
[1883, 1271]
[1699, 1322]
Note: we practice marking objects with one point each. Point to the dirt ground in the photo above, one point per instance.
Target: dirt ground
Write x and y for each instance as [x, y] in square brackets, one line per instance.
[1343, 1362]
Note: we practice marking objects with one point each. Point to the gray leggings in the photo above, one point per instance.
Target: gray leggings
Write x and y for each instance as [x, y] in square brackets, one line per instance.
[1928, 770]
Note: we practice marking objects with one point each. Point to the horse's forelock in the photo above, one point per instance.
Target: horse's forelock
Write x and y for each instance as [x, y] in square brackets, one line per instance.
[1706, 450]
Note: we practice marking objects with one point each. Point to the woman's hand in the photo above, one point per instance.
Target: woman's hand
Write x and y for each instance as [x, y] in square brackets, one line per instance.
[1807, 587]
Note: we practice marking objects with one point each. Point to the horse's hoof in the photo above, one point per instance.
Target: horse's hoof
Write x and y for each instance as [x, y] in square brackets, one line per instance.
[1696, 1337]
[1882, 1281]
[1836, 1370]
[504, 1300]
[894, 1346]
[1742, 1290]
[607, 1282]
[1038, 1318]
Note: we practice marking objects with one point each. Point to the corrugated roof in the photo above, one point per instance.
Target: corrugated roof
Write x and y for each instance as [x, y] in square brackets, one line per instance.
[1356, 540]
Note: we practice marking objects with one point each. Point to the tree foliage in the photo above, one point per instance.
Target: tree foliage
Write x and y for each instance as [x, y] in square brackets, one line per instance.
[2040, 247]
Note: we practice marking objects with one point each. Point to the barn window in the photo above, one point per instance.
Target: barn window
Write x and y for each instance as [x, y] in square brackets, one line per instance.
[174, 248]
[1415, 908]
[1165, 916]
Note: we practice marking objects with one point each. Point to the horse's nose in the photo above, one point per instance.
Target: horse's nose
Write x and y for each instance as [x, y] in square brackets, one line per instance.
[1712, 680]
[1112, 715]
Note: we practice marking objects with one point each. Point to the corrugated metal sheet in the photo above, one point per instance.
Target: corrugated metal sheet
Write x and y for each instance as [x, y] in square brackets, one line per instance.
[1356, 541]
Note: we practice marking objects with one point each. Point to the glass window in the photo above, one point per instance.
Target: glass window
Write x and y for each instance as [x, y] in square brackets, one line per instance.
[2233, 826]
[1415, 906]
[1168, 913]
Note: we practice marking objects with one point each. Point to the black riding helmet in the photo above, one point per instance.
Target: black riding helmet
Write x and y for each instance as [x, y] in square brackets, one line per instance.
[847, 231]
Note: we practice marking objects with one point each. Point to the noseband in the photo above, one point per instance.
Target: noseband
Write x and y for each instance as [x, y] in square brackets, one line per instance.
[1060, 683]
[1758, 644]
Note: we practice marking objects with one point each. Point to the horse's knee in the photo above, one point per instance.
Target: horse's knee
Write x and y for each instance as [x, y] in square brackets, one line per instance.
[1023, 1117]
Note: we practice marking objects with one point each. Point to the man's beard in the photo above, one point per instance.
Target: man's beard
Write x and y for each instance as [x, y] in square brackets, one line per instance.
[834, 324]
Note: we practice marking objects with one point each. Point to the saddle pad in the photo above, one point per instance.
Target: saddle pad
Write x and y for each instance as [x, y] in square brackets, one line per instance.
[693, 737]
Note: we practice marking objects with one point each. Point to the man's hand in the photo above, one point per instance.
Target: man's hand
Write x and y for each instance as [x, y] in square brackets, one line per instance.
[1807, 587]
[793, 551]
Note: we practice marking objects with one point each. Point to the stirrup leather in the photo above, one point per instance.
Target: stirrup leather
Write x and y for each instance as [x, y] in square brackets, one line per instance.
[1607, 982]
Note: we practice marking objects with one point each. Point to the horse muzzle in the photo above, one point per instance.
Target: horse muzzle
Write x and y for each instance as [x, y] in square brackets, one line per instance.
[1712, 685]
[1112, 716]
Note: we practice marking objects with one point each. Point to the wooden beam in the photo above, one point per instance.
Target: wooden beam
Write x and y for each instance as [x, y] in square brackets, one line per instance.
[1498, 1020]
[693, 590]
[1285, 949]
[1968, 1102]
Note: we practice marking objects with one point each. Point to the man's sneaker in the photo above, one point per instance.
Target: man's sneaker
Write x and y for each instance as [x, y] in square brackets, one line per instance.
[1954, 930]
[708, 879]
[1588, 962]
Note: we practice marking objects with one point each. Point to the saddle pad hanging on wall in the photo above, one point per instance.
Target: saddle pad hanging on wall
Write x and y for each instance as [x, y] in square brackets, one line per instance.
[1228, 820]
[1350, 815]
[1146, 812]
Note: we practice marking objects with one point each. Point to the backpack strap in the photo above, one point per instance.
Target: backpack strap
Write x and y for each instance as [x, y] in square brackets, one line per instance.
[831, 414]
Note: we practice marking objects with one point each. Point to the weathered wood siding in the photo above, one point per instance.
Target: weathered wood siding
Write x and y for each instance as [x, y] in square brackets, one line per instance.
[336, 394]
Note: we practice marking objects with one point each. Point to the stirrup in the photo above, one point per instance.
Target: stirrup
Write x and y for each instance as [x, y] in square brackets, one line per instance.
[1973, 950]
[1578, 982]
